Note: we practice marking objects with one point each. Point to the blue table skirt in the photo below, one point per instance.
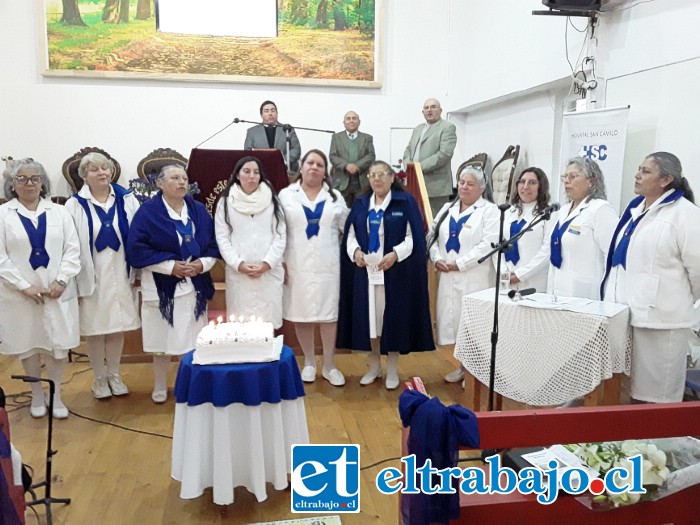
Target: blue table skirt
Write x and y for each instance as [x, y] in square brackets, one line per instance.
[248, 383]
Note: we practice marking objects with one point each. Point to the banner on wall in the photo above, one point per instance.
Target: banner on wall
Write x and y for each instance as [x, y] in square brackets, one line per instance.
[599, 134]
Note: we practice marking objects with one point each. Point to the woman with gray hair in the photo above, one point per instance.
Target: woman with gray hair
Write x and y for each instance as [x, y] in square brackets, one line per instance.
[39, 257]
[171, 240]
[461, 233]
[102, 212]
[654, 266]
[577, 240]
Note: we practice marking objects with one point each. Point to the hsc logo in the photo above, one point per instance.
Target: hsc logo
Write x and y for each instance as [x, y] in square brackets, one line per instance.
[325, 478]
[594, 152]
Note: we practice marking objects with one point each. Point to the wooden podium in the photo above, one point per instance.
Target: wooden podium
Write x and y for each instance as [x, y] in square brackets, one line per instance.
[211, 169]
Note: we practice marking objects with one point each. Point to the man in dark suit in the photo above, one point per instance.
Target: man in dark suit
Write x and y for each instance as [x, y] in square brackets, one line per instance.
[351, 154]
[432, 145]
[272, 135]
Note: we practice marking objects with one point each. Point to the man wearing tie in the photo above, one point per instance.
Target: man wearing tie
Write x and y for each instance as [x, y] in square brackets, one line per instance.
[271, 135]
[351, 154]
[432, 145]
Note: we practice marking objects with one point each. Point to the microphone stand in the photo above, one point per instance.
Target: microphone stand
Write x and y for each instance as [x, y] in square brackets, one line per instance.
[501, 248]
[47, 499]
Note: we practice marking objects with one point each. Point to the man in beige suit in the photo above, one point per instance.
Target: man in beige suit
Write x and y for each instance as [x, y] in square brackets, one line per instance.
[351, 154]
[432, 145]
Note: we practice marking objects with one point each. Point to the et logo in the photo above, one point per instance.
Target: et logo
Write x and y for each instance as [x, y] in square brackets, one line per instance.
[325, 478]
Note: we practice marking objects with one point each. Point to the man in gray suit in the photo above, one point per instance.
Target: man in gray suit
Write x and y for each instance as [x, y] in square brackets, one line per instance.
[351, 154]
[272, 135]
[432, 145]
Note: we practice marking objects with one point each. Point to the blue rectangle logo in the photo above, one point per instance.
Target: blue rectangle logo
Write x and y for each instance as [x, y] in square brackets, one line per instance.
[325, 478]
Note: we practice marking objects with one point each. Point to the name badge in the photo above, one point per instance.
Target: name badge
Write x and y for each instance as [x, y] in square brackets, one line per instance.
[575, 230]
[397, 214]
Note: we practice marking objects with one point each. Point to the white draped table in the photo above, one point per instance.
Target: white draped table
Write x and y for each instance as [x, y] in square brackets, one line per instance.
[546, 354]
[235, 425]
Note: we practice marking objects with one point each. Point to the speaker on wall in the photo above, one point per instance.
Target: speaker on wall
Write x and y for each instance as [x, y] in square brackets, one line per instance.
[573, 5]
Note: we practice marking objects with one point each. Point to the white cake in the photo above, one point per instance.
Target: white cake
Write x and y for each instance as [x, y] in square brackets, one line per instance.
[237, 342]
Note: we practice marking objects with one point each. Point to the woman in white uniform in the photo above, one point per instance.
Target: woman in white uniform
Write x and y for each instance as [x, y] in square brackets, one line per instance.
[315, 215]
[39, 258]
[461, 233]
[172, 241]
[108, 301]
[578, 238]
[251, 234]
[654, 266]
[528, 203]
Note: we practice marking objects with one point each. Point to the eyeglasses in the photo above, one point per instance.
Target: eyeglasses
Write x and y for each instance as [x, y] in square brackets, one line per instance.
[380, 175]
[570, 176]
[22, 180]
[522, 182]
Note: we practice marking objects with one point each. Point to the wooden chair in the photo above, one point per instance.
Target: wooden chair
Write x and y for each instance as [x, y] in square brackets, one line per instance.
[152, 163]
[477, 161]
[70, 167]
[502, 175]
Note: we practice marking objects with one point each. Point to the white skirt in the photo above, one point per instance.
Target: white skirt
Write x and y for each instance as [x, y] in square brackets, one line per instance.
[659, 364]
[160, 337]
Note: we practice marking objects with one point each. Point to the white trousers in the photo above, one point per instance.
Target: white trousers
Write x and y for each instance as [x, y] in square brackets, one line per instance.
[659, 364]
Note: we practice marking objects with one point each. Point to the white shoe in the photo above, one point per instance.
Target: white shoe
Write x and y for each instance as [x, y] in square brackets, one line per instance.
[392, 381]
[116, 385]
[308, 374]
[159, 396]
[100, 389]
[335, 377]
[60, 412]
[37, 411]
[370, 376]
[455, 376]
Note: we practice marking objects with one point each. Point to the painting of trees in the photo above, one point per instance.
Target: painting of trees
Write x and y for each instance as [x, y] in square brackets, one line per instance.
[143, 10]
[346, 14]
[71, 14]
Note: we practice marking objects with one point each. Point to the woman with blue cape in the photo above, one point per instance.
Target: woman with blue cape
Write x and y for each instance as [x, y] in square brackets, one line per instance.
[102, 212]
[653, 265]
[383, 283]
[172, 241]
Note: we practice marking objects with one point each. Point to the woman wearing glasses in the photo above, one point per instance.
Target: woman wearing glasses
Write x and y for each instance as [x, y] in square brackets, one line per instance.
[460, 235]
[654, 266]
[384, 285]
[39, 257]
[525, 268]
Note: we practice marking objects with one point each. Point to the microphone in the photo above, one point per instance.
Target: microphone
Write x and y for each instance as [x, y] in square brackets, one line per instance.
[287, 127]
[521, 293]
[552, 207]
[236, 120]
[504, 207]
[28, 379]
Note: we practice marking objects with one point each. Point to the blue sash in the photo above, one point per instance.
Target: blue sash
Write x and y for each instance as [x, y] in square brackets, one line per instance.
[313, 218]
[189, 246]
[107, 237]
[619, 255]
[37, 238]
[375, 220]
[455, 229]
[513, 255]
[555, 242]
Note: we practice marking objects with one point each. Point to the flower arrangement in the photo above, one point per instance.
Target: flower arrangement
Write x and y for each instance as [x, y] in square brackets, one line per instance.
[662, 461]
[144, 189]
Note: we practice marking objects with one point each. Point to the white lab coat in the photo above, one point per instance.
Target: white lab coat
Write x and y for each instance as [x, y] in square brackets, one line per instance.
[108, 301]
[529, 246]
[252, 239]
[25, 325]
[475, 239]
[313, 265]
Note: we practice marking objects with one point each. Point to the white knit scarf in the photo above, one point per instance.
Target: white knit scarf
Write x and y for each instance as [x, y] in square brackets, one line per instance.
[250, 204]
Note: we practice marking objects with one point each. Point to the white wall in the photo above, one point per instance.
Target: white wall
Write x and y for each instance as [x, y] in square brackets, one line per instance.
[50, 118]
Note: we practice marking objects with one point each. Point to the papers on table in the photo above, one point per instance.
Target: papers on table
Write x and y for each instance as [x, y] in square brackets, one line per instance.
[563, 458]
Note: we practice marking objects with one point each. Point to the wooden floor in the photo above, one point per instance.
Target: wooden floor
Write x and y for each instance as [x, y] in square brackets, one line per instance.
[116, 476]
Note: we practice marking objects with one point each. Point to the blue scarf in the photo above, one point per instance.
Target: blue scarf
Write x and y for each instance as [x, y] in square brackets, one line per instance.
[455, 229]
[513, 255]
[555, 242]
[107, 237]
[153, 239]
[189, 247]
[617, 254]
[313, 218]
[122, 220]
[375, 220]
[37, 238]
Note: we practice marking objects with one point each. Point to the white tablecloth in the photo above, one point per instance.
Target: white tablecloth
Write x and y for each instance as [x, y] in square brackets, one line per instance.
[544, 356]
[236, 445]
